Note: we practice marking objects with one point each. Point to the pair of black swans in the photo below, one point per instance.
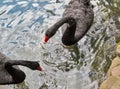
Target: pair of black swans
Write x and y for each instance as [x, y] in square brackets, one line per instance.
[77, 19]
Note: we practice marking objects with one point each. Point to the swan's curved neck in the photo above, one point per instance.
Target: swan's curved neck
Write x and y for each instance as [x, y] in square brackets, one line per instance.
[29, 64]
[52, 30]
[11, 63]
[18, 76]
[70, 20]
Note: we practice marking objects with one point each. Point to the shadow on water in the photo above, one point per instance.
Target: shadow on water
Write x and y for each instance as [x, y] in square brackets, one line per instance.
[82, 66]
[21, 86]
[74, 57]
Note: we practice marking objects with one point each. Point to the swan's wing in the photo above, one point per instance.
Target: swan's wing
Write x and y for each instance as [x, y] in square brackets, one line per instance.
[83, 15]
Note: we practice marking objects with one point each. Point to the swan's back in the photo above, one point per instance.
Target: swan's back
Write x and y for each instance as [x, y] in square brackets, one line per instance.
[82, 13]
[4, 75]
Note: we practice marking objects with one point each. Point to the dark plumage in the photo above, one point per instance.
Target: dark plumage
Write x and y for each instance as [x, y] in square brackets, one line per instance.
[10, 73]
[77, 19]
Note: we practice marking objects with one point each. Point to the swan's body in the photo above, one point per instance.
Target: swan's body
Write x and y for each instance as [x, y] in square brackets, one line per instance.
[77, 20]
[10, 73]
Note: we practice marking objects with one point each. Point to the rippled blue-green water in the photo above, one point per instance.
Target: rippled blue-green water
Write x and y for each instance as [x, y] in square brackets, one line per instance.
[83, 66]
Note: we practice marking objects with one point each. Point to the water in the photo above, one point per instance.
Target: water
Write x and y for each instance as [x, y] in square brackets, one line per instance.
[83, 66]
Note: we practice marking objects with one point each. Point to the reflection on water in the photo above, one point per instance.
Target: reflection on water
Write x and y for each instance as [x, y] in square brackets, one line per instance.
[82, 66]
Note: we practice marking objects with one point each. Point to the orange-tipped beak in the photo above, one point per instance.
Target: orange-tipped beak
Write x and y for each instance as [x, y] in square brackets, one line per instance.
[39, 68]
[46, 39]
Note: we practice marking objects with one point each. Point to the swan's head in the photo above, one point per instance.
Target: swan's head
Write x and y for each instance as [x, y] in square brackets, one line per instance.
[46, 38]
[50, 32]
[34, 66]
[39, 68]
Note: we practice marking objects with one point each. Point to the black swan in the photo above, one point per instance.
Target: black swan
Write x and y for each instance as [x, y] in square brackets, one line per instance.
[10, 73]
[77, 19]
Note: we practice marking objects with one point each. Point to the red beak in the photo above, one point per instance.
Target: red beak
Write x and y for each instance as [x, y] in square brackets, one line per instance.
[46, 38]
[39, 68]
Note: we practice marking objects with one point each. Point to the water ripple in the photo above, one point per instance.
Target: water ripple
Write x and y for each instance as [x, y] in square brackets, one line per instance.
[83, 66]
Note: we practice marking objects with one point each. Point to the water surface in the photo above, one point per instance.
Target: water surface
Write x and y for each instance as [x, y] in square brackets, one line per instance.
[83, 66]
